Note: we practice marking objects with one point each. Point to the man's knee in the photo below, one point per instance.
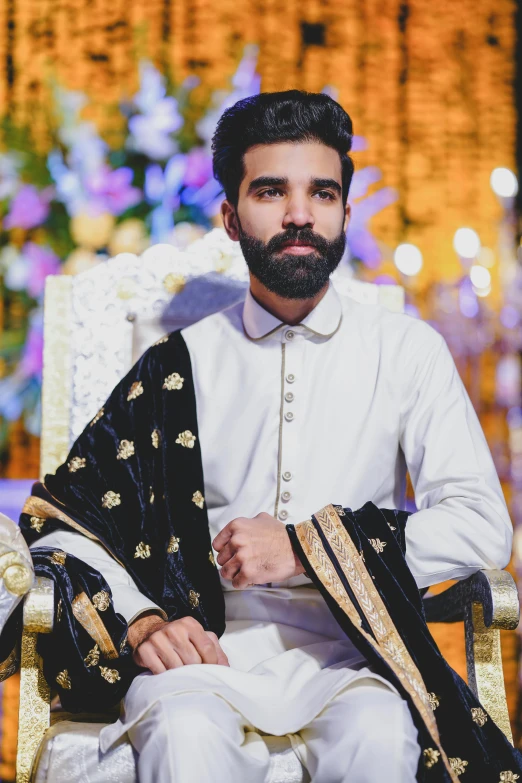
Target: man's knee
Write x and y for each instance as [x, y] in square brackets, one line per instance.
[201, 717]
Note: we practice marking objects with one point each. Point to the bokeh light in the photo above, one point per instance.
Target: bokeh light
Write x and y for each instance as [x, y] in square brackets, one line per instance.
[408, 259]
[504, 182]
[466, 243]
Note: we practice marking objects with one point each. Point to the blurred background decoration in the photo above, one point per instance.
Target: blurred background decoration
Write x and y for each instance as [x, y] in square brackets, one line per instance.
[106, 115]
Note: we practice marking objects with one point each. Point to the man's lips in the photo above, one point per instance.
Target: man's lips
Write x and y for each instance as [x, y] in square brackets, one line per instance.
[297, 248]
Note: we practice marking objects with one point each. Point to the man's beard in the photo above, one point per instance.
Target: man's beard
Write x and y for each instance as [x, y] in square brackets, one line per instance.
[288, 275]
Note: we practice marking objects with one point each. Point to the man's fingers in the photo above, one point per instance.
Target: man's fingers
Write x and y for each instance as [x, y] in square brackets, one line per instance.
[226, 553]
[223, 536]
[231, 568]
[222, 659]
[146, 657]
[204, 646]
[169, 657]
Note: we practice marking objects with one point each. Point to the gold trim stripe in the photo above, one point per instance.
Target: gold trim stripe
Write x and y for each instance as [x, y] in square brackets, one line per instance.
[397, 658]
[34, 506]
[10, 665]
[90, 620]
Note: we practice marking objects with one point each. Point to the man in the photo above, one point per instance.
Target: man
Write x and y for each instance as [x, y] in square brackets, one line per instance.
[303, 398]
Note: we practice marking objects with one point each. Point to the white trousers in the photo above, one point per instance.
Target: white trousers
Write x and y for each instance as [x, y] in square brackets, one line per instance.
[364, 734]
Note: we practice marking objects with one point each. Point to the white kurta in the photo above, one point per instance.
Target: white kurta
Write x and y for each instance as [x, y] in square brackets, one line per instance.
[334, 410]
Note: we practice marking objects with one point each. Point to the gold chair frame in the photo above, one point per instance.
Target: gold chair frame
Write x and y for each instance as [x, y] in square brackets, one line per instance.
[487, 601]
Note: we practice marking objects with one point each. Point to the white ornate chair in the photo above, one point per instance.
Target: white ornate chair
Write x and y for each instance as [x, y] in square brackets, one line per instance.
[96, 326]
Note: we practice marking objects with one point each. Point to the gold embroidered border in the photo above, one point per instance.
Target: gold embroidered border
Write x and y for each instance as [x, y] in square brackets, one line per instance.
[314, 550]
[10, 665]
[89, 619]
[42, 508]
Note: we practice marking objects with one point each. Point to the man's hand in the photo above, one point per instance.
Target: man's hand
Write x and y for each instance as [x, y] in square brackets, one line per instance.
[158, 645]
[255, 551]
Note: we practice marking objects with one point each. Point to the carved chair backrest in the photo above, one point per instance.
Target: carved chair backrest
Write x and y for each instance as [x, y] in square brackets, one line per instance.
[98, 323]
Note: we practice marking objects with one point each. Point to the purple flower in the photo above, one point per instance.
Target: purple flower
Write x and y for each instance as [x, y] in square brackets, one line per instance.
[112, 191]
[199, 168]
[42, 262]
[31, 360]
[29, 208]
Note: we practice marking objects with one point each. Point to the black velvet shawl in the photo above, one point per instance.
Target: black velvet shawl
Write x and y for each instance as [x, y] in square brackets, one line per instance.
[133, 481]
[357, 561]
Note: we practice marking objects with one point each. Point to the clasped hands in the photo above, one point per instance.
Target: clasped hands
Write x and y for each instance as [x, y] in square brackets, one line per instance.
[251, 551]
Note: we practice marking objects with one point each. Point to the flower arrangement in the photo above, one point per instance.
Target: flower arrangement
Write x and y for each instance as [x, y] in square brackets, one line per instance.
[82, 202]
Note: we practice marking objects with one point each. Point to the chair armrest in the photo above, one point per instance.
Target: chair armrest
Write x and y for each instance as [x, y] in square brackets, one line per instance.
[35, 695]
[39, 607]
[494, 590]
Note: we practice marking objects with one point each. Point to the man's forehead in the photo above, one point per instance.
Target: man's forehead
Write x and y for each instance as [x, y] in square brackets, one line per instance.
[296, 161]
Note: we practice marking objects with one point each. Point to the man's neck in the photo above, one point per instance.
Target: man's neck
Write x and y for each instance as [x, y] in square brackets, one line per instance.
[289, 311]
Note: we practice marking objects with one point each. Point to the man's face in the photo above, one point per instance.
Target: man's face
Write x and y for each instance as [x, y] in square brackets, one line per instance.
[290, 220]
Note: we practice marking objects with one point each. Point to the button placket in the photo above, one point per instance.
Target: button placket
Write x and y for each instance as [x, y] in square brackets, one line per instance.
[294, 353]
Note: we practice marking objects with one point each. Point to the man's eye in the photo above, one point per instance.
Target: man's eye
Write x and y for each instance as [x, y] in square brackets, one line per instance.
[329, 196]
[270, 191]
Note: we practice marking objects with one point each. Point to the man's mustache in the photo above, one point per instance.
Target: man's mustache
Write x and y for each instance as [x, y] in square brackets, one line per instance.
[308, 238]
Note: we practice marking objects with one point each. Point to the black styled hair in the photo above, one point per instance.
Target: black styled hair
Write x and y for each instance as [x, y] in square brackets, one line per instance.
[273, 117]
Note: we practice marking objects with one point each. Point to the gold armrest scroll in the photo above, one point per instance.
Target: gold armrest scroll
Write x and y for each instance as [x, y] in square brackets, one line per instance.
[35, 694]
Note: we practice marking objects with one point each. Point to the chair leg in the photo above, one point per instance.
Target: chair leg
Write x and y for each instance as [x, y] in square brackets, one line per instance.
[484, 664]
[34, 714]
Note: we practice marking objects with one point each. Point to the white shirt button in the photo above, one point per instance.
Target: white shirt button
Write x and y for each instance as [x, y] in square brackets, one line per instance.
[287, 475]
[289, 416]
[290, 335]
[289, 397]
[285, 496]
[283, 514]
[290, 378]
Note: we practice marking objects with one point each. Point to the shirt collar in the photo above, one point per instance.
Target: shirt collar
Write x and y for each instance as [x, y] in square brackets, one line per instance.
[324, 320]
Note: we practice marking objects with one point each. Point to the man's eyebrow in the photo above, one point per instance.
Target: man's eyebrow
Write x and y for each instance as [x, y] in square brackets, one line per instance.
[266, 181]
[332, 184]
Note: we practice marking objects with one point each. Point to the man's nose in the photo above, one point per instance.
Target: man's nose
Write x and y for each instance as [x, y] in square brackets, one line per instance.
[298, 213]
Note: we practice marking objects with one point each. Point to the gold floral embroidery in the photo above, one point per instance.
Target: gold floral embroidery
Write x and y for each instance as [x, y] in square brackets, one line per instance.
[125, 449]
[151, 496]
[92, 657]
[377, 544]
[142, 550]
[212, 558]
[111, 675]
[478, 715]
[173, 545]
[101, 600]
[340, 510]
[37, 523]
[508, 777]
[173, 382]
[98, 416]
[391, 527]
[198, 499]
[458, 765]
[156, 438]
[111, 499]
[59, 610]
[193, 599]
[58, 557]
[135, 390]
[63, 679]
[173, 283]
[431, 756]
[186, 439]
[77, 463]
[162, 340]
[433, 700]
[123, 646]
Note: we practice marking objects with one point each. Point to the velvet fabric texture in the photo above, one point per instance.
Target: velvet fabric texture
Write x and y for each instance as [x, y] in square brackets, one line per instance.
[133, 481]
[371, 561]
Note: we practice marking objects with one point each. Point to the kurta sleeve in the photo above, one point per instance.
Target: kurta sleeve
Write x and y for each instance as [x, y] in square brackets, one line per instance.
[127, 599]
[462, 523]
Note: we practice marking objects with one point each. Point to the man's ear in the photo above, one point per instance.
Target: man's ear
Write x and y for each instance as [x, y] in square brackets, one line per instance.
[347, 216]
[230, 221]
